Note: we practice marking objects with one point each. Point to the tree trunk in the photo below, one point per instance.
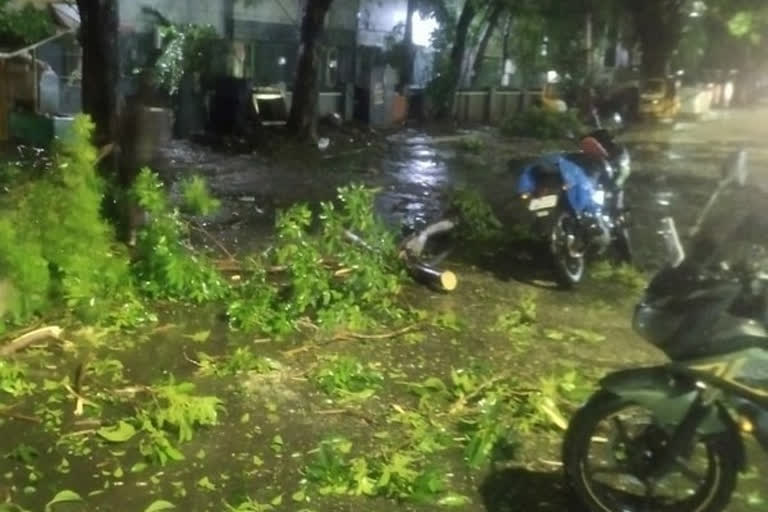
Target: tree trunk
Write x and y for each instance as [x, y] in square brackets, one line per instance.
[659, 26]
[410, 51]
[99, 40]
[303, 117]
[490, 27]
[457, 54]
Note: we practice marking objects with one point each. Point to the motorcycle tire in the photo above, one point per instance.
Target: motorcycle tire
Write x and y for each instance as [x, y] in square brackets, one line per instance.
[569, 270]
[714, 496]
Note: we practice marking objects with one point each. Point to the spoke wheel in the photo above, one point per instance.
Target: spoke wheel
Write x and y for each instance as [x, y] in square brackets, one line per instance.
[567, 250]
[613, 446]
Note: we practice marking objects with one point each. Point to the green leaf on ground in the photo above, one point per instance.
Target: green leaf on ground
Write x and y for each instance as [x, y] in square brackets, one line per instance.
[63, 497]
[199, 337]
[119, 433]
[160, 505]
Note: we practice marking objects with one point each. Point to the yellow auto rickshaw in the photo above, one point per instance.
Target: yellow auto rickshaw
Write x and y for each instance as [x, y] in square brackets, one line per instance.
[659, 99]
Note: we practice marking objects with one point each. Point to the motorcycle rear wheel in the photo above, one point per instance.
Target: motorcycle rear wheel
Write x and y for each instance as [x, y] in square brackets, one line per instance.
[712, 495]
[570, 268]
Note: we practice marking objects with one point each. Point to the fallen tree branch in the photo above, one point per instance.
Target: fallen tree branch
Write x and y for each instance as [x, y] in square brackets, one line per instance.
[77, 433]
[80, 400]
[200, 229]
[349, 412]
[347, 336]
[22, 417]
[7, 411]
[192, 361]
[414, 245]
[30, 338]
[383, 336]
[462, 402]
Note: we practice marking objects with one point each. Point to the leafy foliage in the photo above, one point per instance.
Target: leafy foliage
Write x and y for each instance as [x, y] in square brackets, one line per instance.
[242, 360]
[13, 379]
[477, 221]
[472, 144]
[400, 474]
[520, 320]
[347, 377]
[175, 410]
[178, 409]
[165, 266]
[187, 48]
[26, 25]
[325, 276]
[54, 243]
[542, 124]
[197, 197]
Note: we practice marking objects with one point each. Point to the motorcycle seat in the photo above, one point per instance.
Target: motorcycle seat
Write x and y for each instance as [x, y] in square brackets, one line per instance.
[594, 168]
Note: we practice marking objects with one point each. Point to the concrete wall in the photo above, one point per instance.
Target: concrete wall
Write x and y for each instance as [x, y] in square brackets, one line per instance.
[328, 102]
[490, 106]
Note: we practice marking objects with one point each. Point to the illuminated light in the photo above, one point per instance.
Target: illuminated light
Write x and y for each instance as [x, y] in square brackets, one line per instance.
[267, 96]
[281, 61]
[423, 28]
[746, 425]
[524, 197]
[553, 76]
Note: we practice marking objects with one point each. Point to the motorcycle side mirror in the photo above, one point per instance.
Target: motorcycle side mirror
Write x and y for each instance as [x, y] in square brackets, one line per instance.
[735, 169]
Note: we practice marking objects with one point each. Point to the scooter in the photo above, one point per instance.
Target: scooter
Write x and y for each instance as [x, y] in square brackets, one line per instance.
[577, 203]
[669, 437]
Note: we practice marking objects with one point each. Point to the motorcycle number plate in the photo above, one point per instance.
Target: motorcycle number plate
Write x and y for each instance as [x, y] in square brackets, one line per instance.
[543, 203]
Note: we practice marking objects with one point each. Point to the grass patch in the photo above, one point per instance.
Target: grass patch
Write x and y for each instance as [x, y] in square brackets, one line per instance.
[625, 275]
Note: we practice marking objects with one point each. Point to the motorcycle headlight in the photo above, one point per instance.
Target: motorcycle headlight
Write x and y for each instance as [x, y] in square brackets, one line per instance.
[598, 196]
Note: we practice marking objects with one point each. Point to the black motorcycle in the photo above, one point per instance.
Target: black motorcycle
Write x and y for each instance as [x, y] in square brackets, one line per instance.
[577, 203]
[669, 438]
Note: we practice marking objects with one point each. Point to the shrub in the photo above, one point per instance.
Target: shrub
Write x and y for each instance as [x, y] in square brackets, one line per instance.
[54, 243]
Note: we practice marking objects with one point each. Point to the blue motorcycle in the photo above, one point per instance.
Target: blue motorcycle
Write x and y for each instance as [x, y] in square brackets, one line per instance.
[577, 203]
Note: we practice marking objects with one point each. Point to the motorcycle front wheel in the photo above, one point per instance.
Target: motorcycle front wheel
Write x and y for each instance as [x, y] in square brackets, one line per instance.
[611, 445]
[568, 257]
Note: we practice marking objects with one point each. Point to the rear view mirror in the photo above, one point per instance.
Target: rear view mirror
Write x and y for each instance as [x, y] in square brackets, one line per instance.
[735, 169]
